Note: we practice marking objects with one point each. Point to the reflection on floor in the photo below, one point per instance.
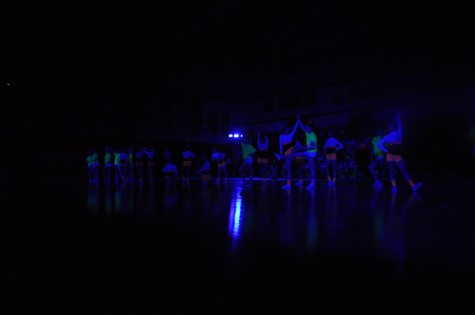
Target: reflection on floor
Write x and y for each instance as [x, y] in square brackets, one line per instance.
[249, 241]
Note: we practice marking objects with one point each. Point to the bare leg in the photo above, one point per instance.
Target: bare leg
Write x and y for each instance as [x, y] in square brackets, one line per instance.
[402, 167]
[312, 168]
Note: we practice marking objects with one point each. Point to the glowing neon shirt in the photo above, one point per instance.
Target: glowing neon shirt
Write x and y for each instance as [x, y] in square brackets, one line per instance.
[247, 151]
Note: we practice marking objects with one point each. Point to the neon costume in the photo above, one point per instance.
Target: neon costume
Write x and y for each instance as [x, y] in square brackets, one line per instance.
[108, 165]
[331, 147]
[218, 159]
[187, 156]
[391, 144]
[377, 160]
[286, 145]
[247, 156]
[92, 161]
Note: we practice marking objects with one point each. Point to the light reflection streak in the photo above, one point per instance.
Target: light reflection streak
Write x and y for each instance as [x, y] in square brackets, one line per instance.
[118, 197]
[333, 223]
[93, 198]
[287, 222]
[312, 228]
[390, 228]
[235, 220]
[108, 199]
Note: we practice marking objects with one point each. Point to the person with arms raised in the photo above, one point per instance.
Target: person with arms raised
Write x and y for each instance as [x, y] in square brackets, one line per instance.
[391, 144]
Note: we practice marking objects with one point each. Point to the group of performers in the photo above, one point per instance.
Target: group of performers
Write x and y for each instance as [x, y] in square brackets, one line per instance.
[386, 153]
[123, 164]
[386, 150]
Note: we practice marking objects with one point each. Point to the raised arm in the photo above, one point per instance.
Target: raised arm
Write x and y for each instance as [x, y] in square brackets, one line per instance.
[297, 124]
[300, 124]
[339, 145]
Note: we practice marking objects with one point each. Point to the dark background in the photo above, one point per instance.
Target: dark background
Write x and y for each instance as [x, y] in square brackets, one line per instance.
[231, 50]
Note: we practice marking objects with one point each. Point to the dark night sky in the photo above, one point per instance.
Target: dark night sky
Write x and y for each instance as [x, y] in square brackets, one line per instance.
[228, 46]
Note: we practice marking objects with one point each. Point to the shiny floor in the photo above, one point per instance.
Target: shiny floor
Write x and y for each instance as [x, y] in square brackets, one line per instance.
[345, 246]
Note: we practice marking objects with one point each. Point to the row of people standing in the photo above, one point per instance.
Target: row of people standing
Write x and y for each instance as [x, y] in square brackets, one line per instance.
[128, 164]
[123, 165]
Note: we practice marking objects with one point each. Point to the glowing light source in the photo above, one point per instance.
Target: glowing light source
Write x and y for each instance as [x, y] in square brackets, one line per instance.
[235, 135]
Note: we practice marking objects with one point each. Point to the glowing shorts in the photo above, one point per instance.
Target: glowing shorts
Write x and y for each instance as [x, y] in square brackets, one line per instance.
[393, 158]
[262, 160]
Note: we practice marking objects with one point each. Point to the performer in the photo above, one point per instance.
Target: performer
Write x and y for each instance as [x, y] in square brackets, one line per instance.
[140, 157]
[218, 158]
[286, 148]
[116, 165]
[391, 144]
[187, 156]
[123, 163]
[130, 163]
[262, 154]
[171, 172]
[248, 152]
[377, 160]
[150, 154]
[331, 146]
[108, 165]
[93, 166]
[205, 171]
[310, 152]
